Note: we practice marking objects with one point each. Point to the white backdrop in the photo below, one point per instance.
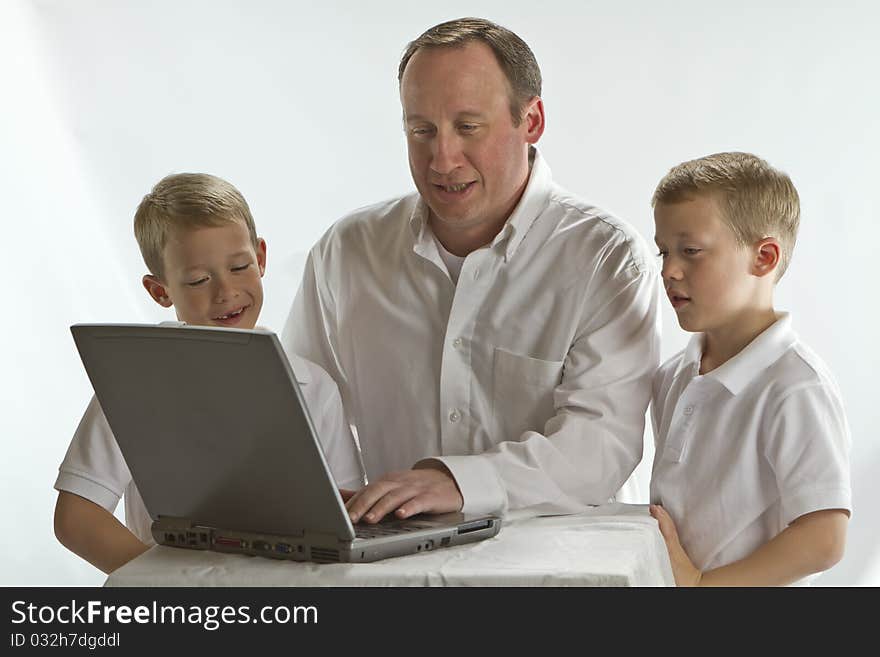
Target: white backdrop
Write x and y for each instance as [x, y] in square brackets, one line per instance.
[296, 104]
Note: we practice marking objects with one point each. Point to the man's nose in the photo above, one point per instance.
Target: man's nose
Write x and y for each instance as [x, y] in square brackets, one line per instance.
[446, 153]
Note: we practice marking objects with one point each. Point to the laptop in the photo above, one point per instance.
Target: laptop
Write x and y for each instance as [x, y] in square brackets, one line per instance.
[219, 442]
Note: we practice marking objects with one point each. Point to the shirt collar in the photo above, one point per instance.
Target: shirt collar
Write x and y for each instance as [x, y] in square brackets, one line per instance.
[748, 364]
[534, 199]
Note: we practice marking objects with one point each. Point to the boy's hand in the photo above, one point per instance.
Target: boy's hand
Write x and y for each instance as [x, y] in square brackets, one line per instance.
[684, 571]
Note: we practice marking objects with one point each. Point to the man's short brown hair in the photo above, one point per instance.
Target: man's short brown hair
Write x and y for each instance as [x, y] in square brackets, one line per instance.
[755, 200]
[516, 59]
[186, 201]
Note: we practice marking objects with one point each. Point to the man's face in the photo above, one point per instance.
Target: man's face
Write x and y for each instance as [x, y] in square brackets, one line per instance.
[706, 272]
[469, 162]
[213, 276]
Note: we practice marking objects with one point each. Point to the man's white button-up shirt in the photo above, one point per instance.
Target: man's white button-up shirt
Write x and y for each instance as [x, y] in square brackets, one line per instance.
[747, 448]
[529, 378]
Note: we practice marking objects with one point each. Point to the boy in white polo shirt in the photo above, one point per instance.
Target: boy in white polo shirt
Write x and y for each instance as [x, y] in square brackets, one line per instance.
[198, 240]
[750, 483]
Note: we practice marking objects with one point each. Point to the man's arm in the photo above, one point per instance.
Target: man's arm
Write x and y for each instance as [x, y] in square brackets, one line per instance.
[94, 533]
[588, 448]
[813, 543]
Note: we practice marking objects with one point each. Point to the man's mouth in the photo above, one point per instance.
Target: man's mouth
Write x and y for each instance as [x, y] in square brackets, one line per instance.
[457, 188]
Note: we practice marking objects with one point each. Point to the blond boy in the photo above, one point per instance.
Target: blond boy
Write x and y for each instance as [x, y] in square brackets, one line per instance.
[750, 483]
[198, 240]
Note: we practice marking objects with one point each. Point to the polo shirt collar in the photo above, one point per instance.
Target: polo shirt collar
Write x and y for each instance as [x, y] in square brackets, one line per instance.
[748, 364]
[535, 198]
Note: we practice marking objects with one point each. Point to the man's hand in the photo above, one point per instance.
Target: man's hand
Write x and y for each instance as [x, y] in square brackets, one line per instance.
[427, 488]
[683, 569]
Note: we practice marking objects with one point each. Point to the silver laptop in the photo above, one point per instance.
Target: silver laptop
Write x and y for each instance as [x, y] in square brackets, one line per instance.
[220, 444]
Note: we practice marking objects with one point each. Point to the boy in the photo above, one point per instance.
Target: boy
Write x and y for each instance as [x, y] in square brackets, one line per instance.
[750, 483]
[198, 240]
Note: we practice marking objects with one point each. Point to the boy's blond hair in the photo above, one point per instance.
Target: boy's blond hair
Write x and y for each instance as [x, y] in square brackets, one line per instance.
[186, 201]
[755, 200]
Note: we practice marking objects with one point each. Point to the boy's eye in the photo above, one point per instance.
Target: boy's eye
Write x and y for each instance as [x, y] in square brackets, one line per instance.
[690, 250]
[242, 267]
[198, 282]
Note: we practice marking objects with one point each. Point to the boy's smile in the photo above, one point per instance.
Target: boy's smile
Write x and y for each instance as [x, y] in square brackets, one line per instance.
[212, 276]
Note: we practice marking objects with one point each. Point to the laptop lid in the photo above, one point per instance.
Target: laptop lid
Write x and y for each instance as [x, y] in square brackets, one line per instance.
[213, 427]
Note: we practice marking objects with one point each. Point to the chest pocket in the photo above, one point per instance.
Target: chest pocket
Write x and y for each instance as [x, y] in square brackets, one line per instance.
[522, 398]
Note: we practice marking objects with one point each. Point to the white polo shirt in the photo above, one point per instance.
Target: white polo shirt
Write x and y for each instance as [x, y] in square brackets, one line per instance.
[94, 467]
[529, 376]
[747, 448]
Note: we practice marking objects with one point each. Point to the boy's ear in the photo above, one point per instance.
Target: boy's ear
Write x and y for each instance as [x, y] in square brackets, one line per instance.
[767, 255]
[261, 255]
[156, 289]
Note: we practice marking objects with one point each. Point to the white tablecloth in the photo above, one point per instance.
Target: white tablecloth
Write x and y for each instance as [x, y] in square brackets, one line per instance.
[610, 545]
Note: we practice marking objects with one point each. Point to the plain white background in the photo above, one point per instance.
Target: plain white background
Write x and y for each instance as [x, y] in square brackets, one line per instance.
[296, 104]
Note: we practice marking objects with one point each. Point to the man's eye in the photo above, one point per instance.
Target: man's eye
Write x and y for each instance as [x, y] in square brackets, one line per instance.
[691, 250]
[468, 127]
[420, 132]
[198, 282]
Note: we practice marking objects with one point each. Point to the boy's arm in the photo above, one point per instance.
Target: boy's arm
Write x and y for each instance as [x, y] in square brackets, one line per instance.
[94, 533]
[814, 542]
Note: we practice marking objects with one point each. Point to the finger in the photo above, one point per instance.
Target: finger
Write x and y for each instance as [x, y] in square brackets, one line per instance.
[366, 498]
[664, 520]
[438, 499]
[391, 501]
[346, 494]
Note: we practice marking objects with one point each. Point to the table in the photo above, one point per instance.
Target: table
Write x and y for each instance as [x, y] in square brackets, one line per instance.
[609, 545]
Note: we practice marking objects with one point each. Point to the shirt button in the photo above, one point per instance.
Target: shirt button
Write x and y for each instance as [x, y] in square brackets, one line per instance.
[456, 343]
[454, 416]
[688, 410]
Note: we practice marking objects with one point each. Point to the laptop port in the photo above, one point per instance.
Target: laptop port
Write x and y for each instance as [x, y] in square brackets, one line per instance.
[475, 526]
[170, 538]
[283, 548]
[230, 542]
[261, 545]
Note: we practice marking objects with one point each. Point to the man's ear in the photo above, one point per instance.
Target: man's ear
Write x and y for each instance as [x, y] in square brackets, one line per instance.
[261, 255]
[767, 256]
[156, 289]
[533, 118]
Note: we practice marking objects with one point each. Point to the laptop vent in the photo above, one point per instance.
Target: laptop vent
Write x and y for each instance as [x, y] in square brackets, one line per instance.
[325, 555]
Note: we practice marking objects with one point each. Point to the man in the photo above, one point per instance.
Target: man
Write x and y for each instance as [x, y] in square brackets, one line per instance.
[492, 321]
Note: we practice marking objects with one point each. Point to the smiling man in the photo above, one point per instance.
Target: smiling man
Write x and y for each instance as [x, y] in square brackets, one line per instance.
[493, 336]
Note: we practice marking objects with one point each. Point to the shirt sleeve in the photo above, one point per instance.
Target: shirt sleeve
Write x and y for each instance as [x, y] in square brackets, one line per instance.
[340, 448]
[595, 439]
[808, 445]
[94, 467]
[310, 329]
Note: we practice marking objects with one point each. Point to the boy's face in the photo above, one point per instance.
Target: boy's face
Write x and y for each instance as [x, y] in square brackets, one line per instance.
[212, 276]
[707, 274]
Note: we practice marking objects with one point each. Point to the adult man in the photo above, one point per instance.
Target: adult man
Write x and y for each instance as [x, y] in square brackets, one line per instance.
[492, 320]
